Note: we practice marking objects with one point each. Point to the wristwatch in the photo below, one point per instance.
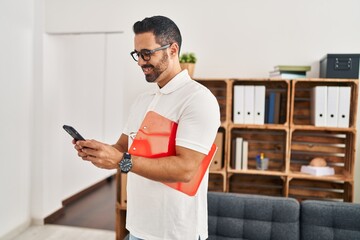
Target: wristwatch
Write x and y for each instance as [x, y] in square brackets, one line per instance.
[126, 163]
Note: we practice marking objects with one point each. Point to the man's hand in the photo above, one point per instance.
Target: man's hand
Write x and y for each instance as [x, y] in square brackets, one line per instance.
[100, 154]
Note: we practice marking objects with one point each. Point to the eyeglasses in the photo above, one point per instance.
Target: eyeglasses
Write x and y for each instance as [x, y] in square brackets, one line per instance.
[146, 54]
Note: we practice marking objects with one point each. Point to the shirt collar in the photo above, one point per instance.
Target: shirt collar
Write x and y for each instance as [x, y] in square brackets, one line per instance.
[178, 81]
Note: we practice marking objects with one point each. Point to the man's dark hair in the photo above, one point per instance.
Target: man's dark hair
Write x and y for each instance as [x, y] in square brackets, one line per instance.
[164, 29]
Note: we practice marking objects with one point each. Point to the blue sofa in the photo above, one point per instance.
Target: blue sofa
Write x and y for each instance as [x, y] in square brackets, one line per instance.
[253, 217]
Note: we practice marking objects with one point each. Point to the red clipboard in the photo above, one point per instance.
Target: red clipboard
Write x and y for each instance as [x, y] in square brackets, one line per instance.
[156, 138]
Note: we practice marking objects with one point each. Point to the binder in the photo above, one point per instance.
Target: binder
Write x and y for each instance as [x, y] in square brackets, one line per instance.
[277, 107]
[332, 106]
[156, 138]
[319, 105]
[245, 146]
[259, 105]
[216, 163]
[249, 97]
[238, 153]
[238, 108]
[344, 106]
[274, 107]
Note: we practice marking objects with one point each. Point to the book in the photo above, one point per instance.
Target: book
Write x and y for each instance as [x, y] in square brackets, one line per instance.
[287, 75]
[267, 105]
[273, 112]
[244, 164]
[292, 68]
[277, 108]
[317, 171]
[238, 153]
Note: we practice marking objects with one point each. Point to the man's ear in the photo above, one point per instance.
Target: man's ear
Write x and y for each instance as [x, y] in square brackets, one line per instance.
[174, 49]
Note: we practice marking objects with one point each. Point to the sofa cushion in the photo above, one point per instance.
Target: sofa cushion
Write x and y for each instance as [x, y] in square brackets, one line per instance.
[323, 220]
[241, 216]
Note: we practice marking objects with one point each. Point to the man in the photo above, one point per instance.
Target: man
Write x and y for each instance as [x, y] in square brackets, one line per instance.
[155, 210]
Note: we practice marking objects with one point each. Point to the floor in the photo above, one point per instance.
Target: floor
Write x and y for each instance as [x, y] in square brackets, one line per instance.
[57, 232]
[91, 217]
[95, 210]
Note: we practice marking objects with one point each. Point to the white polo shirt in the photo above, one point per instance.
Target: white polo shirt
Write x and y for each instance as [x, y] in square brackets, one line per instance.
[154, 210]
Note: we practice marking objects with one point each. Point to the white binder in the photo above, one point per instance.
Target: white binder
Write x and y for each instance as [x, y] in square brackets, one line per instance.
[318, 105]
[344, 107]
[249, 97]
[238, 109]
[238, 153]
[245, 146]
[332, 106]
[259, 105]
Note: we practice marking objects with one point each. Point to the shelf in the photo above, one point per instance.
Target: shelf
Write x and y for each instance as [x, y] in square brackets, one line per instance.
[336, 147]
[221, 172]
[336, 177]
[325, 129]
[272, 142]
[256, 172]
[259, 126]
[281, 88]
[301, 99]
[257, 184]
[319, 189]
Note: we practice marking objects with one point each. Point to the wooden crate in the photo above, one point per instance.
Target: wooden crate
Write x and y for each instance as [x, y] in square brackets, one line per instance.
[219, 89]
[303, 189]
[281, 87]
[120, 229]
[218, 160]
[336, 147]
[301, 98]
[256, 184]
[273, 143]
[123, 194]
[216, 182]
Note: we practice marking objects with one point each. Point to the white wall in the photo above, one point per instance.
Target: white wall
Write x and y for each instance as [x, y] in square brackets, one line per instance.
[83, 87]
[15, 105]
[231, 38]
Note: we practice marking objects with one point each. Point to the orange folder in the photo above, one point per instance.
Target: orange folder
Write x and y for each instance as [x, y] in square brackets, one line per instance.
[156, 138]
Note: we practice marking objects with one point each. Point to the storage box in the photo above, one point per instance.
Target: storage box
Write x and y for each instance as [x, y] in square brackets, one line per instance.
[340, 66]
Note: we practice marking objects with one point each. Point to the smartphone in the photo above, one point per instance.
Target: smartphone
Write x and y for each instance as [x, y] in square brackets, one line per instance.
[73, 133]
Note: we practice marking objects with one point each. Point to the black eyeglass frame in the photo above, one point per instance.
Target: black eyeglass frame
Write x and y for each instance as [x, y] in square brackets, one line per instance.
[146, 54]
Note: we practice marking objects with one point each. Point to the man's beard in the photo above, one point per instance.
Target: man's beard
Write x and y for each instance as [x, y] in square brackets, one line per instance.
[156, 70]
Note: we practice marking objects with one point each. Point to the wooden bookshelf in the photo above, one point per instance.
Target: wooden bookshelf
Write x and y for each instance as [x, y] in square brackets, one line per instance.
[292, 142]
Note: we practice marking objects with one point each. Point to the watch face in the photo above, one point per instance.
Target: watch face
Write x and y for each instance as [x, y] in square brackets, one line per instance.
[125, 165]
